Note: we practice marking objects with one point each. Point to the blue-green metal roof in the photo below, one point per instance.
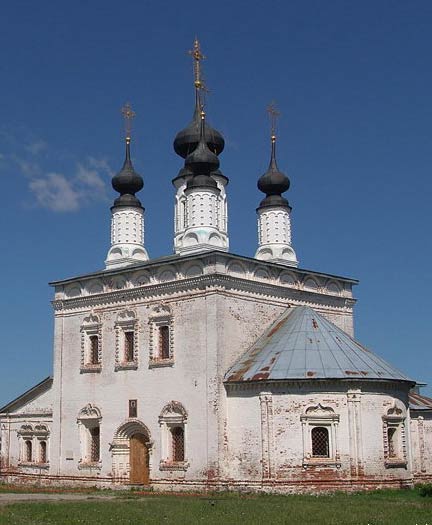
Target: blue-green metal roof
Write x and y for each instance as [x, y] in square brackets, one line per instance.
[302, 344]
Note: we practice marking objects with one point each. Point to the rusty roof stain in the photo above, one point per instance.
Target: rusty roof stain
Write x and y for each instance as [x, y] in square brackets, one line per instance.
[302, 344]
[419, 402]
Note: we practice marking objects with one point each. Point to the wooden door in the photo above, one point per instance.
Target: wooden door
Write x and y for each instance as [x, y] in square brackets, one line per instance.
[139, 459]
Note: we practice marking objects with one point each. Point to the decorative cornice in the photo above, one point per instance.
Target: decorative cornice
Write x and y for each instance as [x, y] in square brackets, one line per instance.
[207, 258]
[203, 282]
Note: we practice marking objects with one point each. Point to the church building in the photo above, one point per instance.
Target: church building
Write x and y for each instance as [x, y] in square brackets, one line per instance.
[208, 370]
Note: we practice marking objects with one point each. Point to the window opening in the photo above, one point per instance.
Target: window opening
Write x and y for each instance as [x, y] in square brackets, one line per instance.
[28, 451]
[164, 343]
[129, 346]
[320, 442]
[94, 444]
[94, 350]
[391, 436]
[177, 444]
[43, 452]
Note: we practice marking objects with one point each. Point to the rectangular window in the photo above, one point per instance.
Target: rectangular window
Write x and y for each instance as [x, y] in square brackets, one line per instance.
[392, 442]
[177, 434]
[94, 350]
[164, 342]
[320, 442]
[129, 346]
[94, 444]
[133, 408]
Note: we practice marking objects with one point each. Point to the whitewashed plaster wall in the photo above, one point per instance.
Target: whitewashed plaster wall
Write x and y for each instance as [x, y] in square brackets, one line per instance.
[421, 444]
[188, 381]
[36, 412]
[271, 447]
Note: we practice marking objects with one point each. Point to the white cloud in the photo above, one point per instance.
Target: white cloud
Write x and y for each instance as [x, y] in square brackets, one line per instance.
[100, 165]
[36, 147]
[56, 181]
[28, 168]
[90, 178]
[55, 192]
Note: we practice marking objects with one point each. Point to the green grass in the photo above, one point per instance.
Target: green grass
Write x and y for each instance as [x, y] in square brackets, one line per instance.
[378, 508]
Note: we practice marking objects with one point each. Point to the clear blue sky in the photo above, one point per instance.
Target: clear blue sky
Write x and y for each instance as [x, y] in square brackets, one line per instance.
[353, 81]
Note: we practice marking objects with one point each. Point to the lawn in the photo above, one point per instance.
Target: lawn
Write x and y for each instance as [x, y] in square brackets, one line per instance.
[386, 507]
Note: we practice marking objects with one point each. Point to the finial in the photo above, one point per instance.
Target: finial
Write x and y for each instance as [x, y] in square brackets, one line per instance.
[197, 57]
[128, 115]
[273, 115]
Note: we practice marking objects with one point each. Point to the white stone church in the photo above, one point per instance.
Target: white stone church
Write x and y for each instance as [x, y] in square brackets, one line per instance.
[210, 370]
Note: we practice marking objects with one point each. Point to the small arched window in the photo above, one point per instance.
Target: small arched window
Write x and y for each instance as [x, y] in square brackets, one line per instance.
[43, 452]
[177, 434]
[28, 451]
[320, 442]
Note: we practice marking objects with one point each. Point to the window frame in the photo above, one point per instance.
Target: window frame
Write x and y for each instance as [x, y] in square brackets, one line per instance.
[126, 322]
[161, 317]
[33, 436]
[173, 416]
[320, 416]
[89, 419]
[91, 327]
[395, 420]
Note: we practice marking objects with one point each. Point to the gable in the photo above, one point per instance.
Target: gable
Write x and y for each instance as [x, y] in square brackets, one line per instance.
[36, 400]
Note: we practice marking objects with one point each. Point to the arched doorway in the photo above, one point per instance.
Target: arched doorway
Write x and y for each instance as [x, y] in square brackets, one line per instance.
[130, 449]
[139, 459]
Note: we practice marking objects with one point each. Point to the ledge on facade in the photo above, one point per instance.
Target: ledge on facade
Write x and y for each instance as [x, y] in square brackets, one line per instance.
[396, 463]
[173, 465]
[132, 365]
[89, 465]
[321, 462]
[88, 369]
[27, 464]
[156, 362]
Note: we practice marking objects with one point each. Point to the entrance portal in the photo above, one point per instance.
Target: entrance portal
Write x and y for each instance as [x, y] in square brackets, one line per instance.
[139, 459]
[130, 450]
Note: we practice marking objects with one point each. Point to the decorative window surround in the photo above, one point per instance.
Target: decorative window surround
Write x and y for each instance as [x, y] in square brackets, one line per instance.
[395, 453]
[91, 326]
[34, 436]
[173, 415]
[89, 418]
[126, 322]
[320, 416]
[161, 316]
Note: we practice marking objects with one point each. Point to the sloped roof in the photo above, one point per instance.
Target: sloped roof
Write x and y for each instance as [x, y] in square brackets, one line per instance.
[303, 344]
[419, 402]
[28, 395]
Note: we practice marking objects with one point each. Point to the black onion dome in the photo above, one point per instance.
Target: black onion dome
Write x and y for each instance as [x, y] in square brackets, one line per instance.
[273, 183]
[183, 173]
[127, 182]
[188, 138]
[218, 173]
[202, 162]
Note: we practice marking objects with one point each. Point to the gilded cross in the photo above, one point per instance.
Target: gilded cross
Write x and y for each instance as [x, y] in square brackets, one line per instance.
[197, 57]
[128, 115]
[273, 115]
